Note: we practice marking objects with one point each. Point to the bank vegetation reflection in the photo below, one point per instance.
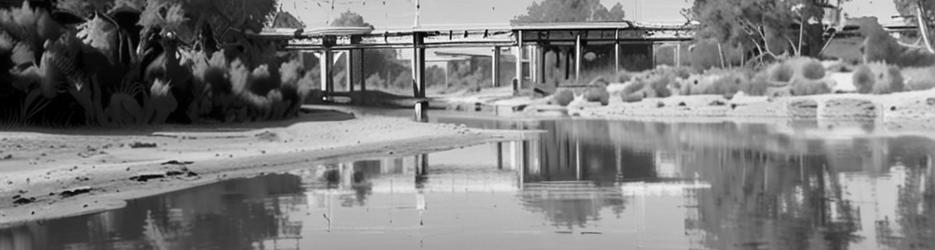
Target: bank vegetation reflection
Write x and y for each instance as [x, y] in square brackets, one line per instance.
[741, 186]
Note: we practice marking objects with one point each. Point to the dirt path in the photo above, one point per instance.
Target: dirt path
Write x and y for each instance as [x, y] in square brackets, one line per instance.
[51, 174]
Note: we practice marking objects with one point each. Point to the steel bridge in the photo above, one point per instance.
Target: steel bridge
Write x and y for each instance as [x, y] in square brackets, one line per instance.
[529, 43]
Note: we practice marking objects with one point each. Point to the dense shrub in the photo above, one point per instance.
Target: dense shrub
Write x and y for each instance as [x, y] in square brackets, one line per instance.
[795, 76]
[806, 67]
[758, 84]
[99, 72]
[878, 78]
[780, 72]
[562, 97]
[597, 92]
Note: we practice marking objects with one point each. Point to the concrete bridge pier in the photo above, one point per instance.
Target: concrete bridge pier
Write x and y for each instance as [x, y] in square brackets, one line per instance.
[418, 65]
[354, 69]
[326, 63]
[494, 68]
[519, 62]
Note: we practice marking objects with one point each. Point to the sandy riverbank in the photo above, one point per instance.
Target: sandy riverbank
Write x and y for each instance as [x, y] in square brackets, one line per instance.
[49, 174]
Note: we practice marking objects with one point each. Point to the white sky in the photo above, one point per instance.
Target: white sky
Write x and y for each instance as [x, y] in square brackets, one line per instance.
[400, 13]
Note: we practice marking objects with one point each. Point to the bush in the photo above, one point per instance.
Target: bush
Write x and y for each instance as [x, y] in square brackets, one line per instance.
[597, 93]
[633, 91]
[562, 97]
[780, 73]
[878, 78]
[757, 86]
[809, 68]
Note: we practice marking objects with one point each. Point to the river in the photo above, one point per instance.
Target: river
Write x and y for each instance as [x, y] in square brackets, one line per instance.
[583, 184]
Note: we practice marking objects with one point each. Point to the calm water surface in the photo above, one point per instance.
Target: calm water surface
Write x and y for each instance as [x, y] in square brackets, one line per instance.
[581, 185]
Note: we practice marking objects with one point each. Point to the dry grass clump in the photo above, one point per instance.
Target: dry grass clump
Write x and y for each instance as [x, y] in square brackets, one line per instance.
[797, 76]
[657, 83]
[715, 82]
[878, 78]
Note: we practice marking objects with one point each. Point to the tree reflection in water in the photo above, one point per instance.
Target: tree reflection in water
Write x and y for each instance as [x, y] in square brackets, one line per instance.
[739, 186]
[238, 213]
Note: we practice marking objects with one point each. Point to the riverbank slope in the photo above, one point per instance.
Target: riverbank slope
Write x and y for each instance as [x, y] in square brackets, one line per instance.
[56, 173]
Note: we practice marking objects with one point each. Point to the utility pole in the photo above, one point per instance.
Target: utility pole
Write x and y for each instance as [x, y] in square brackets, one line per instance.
[416, 22]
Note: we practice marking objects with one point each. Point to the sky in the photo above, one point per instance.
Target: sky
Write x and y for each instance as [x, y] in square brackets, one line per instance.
[390, 14]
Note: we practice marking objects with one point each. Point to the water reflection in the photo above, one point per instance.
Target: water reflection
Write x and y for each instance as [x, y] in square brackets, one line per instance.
[583, 184]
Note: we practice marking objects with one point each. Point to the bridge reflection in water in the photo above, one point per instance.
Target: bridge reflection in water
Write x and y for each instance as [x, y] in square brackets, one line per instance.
[582, 184]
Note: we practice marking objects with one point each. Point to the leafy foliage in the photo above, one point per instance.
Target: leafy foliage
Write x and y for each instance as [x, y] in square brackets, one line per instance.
[570, 11]
[119, 74]
[879, 46]
[284, 19]
[761, 24]
[220, 16]
[350, 19]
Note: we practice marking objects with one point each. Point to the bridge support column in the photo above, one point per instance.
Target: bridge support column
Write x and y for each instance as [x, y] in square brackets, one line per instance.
[678, 54]
[418, 65]
[616, 57]
[326, 63]
[617, 52]
[355, 72]
[578, 58]
[652, 55]
[518, 81]
[495, 67]
[540, 64]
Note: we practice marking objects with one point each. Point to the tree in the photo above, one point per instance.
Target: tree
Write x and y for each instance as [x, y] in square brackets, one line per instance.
[377, 62]
[925, 17]
[350, 19]
[771, 27]
[284, 19]
[192, 18]
[570, 11]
